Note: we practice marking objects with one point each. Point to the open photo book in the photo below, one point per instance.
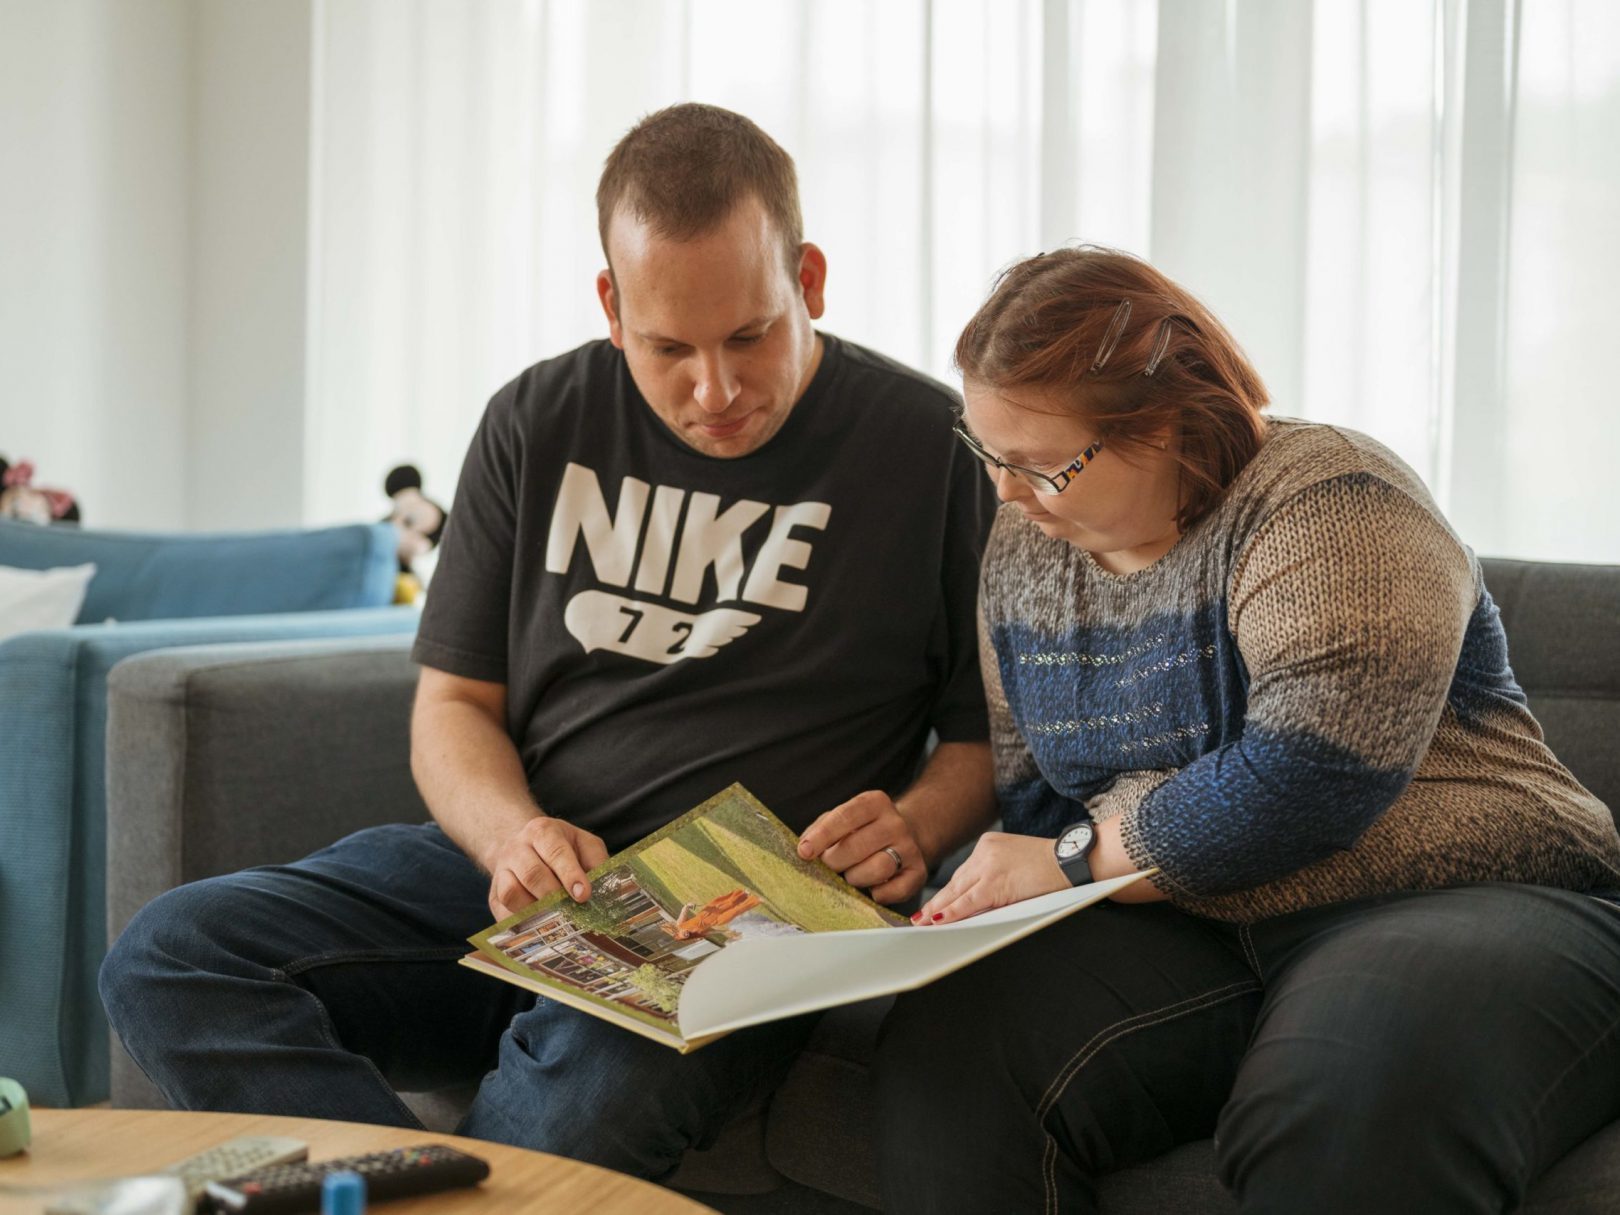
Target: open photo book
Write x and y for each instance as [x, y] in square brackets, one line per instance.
[714, 922]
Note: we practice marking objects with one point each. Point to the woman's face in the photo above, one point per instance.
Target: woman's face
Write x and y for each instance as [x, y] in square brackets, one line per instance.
[1121, 508]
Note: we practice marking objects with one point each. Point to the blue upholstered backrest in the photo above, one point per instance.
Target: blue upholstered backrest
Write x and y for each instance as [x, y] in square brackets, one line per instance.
[146, 576]
[53, 828]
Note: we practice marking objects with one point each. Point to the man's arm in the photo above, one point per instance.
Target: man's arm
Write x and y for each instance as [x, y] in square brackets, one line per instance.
[951, 801]
[472, 779]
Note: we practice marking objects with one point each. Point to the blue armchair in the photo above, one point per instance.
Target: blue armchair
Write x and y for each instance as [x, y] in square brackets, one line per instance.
[149, 592]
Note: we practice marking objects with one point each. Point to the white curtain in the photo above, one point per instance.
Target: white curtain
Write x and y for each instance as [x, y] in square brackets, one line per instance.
[1406, 210]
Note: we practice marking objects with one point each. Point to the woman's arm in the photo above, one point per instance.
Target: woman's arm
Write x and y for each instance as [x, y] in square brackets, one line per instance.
[1349, 607]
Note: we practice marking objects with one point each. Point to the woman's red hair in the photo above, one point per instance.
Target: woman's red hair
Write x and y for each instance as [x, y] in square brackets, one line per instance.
[1045, 322]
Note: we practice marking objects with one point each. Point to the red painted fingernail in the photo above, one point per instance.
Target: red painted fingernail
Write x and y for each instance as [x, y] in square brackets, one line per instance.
[915, 916]
[938, 916]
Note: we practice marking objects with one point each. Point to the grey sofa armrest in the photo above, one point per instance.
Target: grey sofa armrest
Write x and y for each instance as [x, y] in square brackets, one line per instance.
[221, 757]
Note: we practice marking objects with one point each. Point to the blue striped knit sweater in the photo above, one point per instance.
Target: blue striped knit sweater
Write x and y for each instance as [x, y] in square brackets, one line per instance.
[1307, 700]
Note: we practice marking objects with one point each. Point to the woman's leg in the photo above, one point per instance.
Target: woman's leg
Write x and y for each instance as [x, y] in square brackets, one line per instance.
[1428, 1052]
[1099, 1042]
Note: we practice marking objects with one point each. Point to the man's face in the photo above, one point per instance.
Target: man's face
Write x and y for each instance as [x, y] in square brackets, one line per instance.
[716, 330]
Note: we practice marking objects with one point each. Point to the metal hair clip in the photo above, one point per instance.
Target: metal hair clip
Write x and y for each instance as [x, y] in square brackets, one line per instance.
[1116, 330]
[1160, 345]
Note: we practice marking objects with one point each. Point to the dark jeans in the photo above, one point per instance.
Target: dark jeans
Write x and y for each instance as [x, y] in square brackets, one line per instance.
[1425, 1052]
[322, 987]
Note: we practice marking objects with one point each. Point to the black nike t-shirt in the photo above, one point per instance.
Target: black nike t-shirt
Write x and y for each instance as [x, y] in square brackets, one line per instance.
[667, 622]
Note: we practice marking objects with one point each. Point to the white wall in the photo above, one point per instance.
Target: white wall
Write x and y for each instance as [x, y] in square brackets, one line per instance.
[249, 236]
[93, 251]
[153, 244]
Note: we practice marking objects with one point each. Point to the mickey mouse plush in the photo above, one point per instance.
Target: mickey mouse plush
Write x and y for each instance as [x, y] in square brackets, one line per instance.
[21, 499]
[420, 522]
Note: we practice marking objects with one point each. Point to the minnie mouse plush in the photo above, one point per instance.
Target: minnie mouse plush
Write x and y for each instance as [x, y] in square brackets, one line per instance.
[21, 499]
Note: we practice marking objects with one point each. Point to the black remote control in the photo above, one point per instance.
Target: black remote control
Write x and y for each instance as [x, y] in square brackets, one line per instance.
[401, 1173]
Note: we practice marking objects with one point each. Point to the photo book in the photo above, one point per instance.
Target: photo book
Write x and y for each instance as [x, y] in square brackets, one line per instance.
[715, 922]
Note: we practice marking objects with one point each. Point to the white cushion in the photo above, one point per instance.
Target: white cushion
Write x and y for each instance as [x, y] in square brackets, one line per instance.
[41, 599]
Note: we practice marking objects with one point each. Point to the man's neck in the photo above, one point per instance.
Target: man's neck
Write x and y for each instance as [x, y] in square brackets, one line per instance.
[811, 366]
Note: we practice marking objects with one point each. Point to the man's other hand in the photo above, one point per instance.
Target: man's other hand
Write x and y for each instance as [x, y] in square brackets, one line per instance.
[545, 854]
[852, 839]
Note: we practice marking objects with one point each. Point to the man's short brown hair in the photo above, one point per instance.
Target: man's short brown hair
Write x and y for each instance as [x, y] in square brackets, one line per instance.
[682, 169]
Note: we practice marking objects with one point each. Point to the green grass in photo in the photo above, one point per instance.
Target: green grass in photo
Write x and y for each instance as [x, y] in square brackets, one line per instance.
[698, 840]
[706, 859]
[687, 877]
[795, 896]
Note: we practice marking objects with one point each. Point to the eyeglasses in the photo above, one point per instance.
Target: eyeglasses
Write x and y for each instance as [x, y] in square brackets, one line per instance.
[1052, 484]
[1049, 484]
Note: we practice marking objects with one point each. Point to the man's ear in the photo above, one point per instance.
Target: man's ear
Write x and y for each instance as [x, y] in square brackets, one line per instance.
[607, 293]
[813, 279]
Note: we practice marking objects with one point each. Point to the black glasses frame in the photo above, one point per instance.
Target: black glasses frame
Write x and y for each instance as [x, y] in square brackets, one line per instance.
[1050, 484]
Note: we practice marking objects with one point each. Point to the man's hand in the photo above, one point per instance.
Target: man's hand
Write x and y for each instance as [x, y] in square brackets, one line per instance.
[543, 855]
[852, 839]
[1002, 869]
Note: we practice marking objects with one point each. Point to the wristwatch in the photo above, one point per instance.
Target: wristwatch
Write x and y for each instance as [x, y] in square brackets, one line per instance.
[1073, 851]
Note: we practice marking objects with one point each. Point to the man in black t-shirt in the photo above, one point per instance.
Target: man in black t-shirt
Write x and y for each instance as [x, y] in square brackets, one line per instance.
[720, 546]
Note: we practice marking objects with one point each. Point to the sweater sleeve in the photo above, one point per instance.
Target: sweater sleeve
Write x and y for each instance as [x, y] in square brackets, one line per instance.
[1348, 606]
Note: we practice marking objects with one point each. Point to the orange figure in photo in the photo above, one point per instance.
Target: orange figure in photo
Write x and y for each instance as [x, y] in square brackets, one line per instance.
[714, 914]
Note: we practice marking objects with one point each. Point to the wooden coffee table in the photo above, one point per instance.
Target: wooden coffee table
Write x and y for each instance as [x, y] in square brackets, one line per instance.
[87, 1145]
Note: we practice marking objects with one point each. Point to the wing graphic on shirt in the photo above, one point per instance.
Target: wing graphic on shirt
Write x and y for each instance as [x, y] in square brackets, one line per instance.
[599, 620]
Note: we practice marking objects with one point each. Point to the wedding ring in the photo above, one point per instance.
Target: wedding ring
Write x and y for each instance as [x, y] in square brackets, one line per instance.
[898, 863]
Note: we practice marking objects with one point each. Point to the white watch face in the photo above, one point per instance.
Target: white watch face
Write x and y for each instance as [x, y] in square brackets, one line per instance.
[1072, 841]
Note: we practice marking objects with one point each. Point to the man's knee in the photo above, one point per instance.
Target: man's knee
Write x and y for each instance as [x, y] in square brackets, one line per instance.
[174, 936]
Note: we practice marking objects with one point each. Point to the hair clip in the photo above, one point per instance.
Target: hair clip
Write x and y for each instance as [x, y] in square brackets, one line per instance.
[1160, 345]
[1116, 330]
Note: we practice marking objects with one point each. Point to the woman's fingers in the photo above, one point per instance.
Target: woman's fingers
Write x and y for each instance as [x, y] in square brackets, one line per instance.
[960, 881]
[971, 900]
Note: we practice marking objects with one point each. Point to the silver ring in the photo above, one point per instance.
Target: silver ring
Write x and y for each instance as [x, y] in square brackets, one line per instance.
[898, 863]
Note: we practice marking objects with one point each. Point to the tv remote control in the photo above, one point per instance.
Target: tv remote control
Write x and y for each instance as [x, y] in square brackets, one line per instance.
[233, 1158]
[400, 1173]
[179, 1186]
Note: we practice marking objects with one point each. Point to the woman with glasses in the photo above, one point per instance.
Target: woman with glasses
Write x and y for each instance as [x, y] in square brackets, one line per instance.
[1250, 656]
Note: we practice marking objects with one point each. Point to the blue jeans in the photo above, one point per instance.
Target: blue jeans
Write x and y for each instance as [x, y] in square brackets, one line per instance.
[326, 987]
[1422, 1052]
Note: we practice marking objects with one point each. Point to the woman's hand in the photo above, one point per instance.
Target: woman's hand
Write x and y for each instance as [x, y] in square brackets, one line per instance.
[1002, 869]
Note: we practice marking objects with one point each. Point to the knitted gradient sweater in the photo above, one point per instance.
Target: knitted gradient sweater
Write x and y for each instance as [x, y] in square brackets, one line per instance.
[1307, 700]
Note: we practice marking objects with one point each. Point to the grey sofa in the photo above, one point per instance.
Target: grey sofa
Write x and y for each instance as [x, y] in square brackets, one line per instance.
[220, 757]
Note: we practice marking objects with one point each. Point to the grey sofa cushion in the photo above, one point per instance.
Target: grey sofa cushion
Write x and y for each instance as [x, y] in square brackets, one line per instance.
[1585, 1182]
[226, 756]
[1563, 630]
[820, 1132]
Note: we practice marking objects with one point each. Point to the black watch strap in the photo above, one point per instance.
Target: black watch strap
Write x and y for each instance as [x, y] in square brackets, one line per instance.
[1073, 851]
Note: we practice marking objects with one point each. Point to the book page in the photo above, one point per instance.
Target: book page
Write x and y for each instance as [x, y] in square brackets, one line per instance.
[758, 981]
[665, 1035]
[726, 872]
